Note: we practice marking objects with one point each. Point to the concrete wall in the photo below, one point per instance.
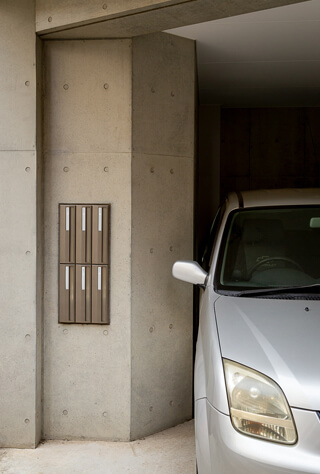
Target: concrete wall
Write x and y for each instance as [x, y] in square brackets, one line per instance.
[269, 148]
[20, 336]
[162, 230]
[119, 128]
[87, 153]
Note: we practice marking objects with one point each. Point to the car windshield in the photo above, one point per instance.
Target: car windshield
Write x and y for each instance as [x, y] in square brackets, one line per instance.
[270, 248]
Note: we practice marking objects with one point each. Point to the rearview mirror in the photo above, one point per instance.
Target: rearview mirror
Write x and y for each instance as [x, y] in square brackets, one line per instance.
[315, 222]
[189, 271]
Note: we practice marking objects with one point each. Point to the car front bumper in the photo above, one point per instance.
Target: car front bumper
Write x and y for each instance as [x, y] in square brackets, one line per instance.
[223, 450]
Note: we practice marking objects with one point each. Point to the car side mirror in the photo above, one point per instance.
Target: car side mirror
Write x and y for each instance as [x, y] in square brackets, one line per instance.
[189, 271]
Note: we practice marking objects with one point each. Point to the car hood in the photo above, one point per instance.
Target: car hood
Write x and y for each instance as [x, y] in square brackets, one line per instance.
[279, 338]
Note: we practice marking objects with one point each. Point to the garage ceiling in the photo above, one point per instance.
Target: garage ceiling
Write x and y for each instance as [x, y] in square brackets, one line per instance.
[267, 58]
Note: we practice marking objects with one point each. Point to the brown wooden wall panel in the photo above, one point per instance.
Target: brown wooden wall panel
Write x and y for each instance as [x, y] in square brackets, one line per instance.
[276, 142]
[234, 149]
[269, 148]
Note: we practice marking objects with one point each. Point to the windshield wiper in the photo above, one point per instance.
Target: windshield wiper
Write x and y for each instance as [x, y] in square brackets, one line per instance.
[296, 290]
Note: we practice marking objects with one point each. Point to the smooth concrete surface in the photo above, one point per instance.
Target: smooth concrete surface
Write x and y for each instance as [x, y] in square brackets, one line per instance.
[87, 159]
[169, 452]
[164, 88]
[129, 18]
[81, 11]
[162, 318]
[20, 337]
[119, 129]
[163, 127]
[18, 76]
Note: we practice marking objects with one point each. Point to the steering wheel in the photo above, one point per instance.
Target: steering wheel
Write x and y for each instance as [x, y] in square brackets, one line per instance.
[273, 259]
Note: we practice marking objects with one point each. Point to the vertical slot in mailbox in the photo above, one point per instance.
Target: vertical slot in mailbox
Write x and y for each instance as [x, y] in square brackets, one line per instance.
[100, 234]
[84, 263]
[67, 294]
[83, 234]
[83, 294]
[67, 234]
[100, 296]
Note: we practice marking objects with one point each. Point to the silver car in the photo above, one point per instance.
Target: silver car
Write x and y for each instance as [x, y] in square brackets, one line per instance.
[257, 369]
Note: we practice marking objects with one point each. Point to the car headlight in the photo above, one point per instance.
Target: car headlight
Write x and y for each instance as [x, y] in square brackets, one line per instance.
[258, 406]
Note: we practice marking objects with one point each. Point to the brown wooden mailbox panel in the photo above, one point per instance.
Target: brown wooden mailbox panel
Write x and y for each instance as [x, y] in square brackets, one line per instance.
[84, 258]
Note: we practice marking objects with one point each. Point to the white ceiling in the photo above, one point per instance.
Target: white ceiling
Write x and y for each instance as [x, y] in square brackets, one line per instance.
[267, 58]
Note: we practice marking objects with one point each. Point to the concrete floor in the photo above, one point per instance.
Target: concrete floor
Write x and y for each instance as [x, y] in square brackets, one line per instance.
[169, 452]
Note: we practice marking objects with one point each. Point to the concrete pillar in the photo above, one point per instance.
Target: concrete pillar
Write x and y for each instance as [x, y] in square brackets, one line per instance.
[119, 129]
[87, 159]
[20, 328]
[162, 231]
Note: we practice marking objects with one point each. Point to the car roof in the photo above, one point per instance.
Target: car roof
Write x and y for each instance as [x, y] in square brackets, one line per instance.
[273, 197]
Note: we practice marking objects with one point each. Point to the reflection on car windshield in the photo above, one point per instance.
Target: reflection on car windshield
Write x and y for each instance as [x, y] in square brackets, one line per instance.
[270, 248]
